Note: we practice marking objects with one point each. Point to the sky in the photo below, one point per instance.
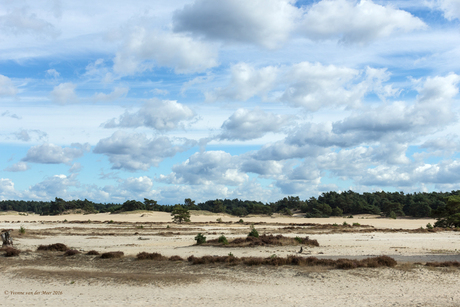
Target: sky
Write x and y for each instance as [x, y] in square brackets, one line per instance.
[257, 100]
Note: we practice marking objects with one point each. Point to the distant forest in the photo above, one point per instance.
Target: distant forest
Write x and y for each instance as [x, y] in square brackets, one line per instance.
[327, 204]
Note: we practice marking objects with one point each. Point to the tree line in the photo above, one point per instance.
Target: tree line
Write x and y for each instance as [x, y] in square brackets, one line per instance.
[390, 204]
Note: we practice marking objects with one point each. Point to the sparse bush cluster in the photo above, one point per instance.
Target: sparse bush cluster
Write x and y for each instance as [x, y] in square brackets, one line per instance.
[381, 261]
[57, 247]
[157, 257]
[11, 251]
[264, 240]
[112, 255]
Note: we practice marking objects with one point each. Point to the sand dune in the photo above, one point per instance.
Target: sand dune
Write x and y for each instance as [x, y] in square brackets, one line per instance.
[51, 279]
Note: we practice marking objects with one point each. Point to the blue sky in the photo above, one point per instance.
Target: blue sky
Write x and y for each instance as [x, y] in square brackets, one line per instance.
[207, 99]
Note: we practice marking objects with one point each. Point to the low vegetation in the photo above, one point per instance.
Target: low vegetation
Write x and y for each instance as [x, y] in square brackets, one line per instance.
[57, 247]
[157, 257]
[375, 262]
[71, 252]
[264, 240]
[444, 264]
[11, 251]
[112, 255]
[93, 253]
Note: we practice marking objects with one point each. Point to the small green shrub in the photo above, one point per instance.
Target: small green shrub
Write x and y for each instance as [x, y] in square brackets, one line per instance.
[254, 233]
[111, 222]
[167, 226]
[392, 215]
[65, 221]
[429, 226]
[223, 240]
[219, 220]
[350, 216]
[335, 224]
[200, 239]
[230, 255]
[22, 230]
[298, 239]
[356, 224]
[241, 221]
[345, 224]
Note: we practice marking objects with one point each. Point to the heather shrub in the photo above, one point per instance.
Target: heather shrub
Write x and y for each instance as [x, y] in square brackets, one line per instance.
[57, 247]
[176, 258]
[71, 252]
[429, 226]
[93, 252]
[112, 255]
[151, 256]
[11, 252]
[22, 230]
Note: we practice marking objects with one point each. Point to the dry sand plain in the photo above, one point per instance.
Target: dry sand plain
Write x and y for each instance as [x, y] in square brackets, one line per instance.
[51, 279]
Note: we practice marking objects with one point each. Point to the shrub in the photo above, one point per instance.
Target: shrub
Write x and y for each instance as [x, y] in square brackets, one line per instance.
[12, 252]
[345, 224]
[200, 239]
[223, 240]
[335, 224]
[254, 233]
[22, 230]
[219, 220]
[71, 252]
[152, 256]
[93, 252]
[241, 221]
[429, 226]
[356, 224]
[298, 239]
[112, 255]
[140, 227]
[57, 247]
[350, 216]
[176, 258]
[392, 215]
[111, 222]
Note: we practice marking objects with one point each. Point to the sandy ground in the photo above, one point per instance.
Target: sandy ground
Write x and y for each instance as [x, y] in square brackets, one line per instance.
[51, 279]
